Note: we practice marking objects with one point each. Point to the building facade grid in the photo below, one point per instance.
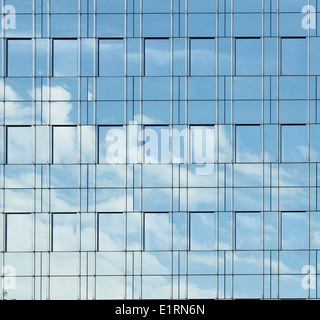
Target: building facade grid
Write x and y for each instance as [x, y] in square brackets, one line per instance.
[75, 226]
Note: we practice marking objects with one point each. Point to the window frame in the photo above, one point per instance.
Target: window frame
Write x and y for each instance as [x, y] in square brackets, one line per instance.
[98, 58]
[261, 217]
[7, 56]
[53, 143]
[51, 244]
[7, 143]
[282, 57]
[190, 56]
[235, 143]
[144, 56]
[189, 230]
[234, 53]
[53, 57]
[5, 246]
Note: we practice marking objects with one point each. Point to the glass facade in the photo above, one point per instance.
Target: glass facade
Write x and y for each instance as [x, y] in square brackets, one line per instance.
[159, 149]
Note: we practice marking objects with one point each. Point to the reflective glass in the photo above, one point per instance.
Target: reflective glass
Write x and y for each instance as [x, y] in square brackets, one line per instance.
[203, 57]
[157, 231]
[65, 232]
[294, 230]
[111, 232]
[202, 231]
[248, 144]
[157, 57]
[160, 149]
[19, 145]
[294, 56]
[111, 57]
[248, 231]
[65, 145]
[294, 143]
[19, 232]
[65, 57]
[248, 56]
[20, 57]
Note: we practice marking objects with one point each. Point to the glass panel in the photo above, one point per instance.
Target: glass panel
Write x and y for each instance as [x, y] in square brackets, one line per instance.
[203, 231]
[65, 232]
[157, 57]
[248, 144]
[20, 57]
[65, 145]
[111, 232]
[294, 146]
[295, 230]
[111, 57]
[203, 57]
[157, 231]
[112, 145]
[248, 56]
[65, 57]
[19, 232]
[248, 231]
[294, 56]
[19, 145]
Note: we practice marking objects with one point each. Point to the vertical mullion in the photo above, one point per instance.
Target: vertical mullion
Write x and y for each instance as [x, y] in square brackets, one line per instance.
[309, 162]
[233, 133]
[279, 150]
[262, 157]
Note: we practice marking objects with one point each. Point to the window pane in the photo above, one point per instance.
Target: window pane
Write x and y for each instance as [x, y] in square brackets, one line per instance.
[19, 232]
[65, 232]
[111, 232]
[112, 145]
[202, 144]
[295, 230]
[203, 57]
[294, 56]
[20, 62]
[111, 57]
[65, 57]
[19, 145]
[248, 231]
[156, 142]
[157, 231]
[294, 143]
[157, 57]
[248, 56]
[65, 145]
[203, 231]
[248, 143]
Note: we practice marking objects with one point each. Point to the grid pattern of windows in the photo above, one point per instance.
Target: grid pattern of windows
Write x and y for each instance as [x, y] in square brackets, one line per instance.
[159, 149]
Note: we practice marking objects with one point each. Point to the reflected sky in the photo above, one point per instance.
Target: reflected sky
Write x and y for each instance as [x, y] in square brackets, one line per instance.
[149, 219]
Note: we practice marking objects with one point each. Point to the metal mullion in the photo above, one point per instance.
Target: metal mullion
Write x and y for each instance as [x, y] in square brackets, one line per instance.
[170, 152]
[49, 73]
[309, 164]
[263, 158]
[79, 147]
[96, 220]
[233, 132]
[126, 161]
[187, 56]
[216, 151]
[142, 72]
[278, 151]
[3, 129]
[34, 190]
